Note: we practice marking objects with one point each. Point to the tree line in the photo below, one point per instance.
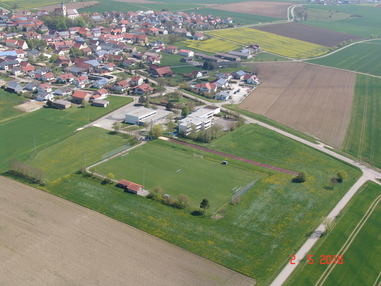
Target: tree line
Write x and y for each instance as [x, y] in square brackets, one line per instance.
[28, 172]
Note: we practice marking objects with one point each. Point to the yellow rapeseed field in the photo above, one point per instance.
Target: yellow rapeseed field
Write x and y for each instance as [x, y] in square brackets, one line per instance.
[272, 43]
[212, 45]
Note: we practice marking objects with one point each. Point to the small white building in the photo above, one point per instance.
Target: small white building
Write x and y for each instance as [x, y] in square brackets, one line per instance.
[139, 115]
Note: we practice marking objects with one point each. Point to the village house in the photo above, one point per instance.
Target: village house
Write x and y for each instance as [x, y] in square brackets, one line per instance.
[100, 83]
[143, 89]
[13, 86]
[64, 78]
[78, 96]
[31, 86]
[44, 95]
[162, 72]
[81, 81]
[121, 85]
[171, 50]
[99, 94]
[206, 87]
[136, 80]
[44, 87]
[48, 77]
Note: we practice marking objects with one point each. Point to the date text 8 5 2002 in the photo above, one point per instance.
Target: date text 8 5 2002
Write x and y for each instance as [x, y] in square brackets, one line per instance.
[324, 259]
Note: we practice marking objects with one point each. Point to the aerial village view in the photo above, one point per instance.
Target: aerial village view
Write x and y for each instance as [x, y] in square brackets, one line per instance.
[183, 143]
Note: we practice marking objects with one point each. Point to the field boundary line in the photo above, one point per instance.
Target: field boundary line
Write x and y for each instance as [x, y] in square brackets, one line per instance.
[350, 239]
[378, 277]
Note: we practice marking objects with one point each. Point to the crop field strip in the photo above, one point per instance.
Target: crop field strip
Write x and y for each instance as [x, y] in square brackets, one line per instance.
[357, 223]
[213, 45]
[314, 35]
[311, 99]
[271, 42]
[361, 57]
[363, 136]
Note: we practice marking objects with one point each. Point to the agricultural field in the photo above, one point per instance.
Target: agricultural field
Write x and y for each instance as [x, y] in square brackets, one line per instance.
[315, 35]
[267, 57]
[359, 233]
[216, 2]
[124, 6]
[238, 17]
[272, 43]
[269, 222]
[368, 22]
[8, 101]
[361, 57]
[269, 9]
[53, 126]
[57, 242]
[213, 45]
[363, 138]
[160, 164]
[61, 158]
[311, 99]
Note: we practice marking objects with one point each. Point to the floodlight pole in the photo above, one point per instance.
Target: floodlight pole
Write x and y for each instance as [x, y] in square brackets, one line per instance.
[84, 159]
[213, 203]
[34, 141]
[143, 176]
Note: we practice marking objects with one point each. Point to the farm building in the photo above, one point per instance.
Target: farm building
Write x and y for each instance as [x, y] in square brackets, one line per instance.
[61, 104]
[78, 96]
[100, 103]
[130, 186]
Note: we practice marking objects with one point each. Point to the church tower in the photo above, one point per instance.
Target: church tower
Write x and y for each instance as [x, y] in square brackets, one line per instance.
[63, 9]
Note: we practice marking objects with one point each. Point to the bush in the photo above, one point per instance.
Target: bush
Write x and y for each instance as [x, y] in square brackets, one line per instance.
[197, 212]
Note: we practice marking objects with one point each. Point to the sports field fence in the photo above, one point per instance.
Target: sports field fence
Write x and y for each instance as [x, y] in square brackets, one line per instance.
[243, 190]
[116, 151]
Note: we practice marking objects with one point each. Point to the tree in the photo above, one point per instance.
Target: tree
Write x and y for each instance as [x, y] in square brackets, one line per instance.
[117, 126]
[206, 65]
[161, 82]
[157, 131]
[53, 58]
[333, 182]
[185, 111]
[49, 103]
[191, 105]
[142, 99]
[76, 53]
[342, 175]
[177, 95]
[169, 105]
[110, 176]
[183, 199]
[204, 205]
[302, 176]
[158, 190]
[84, 103]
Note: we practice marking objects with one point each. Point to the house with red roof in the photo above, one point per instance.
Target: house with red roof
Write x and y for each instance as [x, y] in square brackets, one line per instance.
[49, 76]
[162, 72]
[67, 77]
[136, 80]
[171, 50]
[121, 85]
[143, 89]
[79, 96]
[130, 186]
[206, 87]
[99, 94]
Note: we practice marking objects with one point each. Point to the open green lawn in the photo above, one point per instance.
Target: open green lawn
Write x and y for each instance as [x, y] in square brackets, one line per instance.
[256, 236]
[267, 57]
[68, 155]
[362, 261]
[369, 22]
[45, 127]
[157, 164]
[185, 69]
[361, 57]
[363, 138]
[7, 102]
[171, 60]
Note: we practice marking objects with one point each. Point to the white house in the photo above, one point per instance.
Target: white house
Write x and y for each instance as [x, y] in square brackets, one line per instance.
[200, 119]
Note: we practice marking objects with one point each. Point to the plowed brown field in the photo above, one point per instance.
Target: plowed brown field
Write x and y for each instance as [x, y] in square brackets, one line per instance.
[315, 35]
[270, 9]
[311, 99]
[46, 240]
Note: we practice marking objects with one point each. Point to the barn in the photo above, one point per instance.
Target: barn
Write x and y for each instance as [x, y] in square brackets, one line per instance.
[129, 186]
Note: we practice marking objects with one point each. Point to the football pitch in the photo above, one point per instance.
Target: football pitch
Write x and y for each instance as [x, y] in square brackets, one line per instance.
[179, 172]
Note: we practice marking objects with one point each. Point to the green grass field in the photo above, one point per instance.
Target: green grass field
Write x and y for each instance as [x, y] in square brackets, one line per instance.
[45, 127]
[362, 261]
[257, 235]
[7, 101]
[171, 60]
[361, 57]
[158, 163]
[267, 57]
[363, 138]
[108, 5]
[185, 69]
[68, 155]
[369, 22]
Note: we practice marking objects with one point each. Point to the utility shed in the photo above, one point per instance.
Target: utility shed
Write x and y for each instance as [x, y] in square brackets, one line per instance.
[130, 186]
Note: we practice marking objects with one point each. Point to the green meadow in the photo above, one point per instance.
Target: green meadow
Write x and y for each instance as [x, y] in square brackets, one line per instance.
[361, 57]
[367, 21]
[7, 102]
[362, 261]
[70, 154]
[363, 138]
[21, 136]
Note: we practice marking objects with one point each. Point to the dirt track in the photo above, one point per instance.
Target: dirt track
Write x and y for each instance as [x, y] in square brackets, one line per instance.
[270, 9]
[46, 240]
[69, 5]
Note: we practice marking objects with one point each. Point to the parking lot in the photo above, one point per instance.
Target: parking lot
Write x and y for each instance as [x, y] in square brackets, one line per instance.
[239, 93]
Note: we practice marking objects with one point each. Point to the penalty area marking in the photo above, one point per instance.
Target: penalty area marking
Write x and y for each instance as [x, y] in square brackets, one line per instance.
[177, 171]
